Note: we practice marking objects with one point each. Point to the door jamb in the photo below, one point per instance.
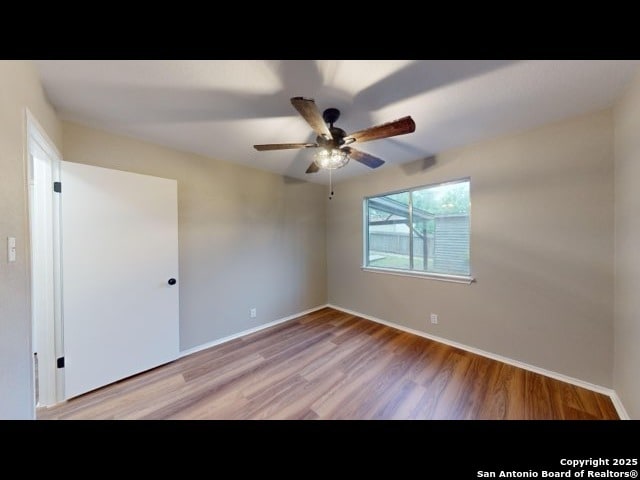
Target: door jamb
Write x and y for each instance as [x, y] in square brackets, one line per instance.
[35, 133]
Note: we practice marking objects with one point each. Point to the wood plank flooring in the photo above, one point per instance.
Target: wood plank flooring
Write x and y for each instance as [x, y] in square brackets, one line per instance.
[332, 365]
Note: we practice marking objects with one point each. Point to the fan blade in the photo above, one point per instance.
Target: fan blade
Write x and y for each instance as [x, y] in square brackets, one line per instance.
[391, 129]
[364, 158]
[283, 146]
[307, 108]
[313, 168]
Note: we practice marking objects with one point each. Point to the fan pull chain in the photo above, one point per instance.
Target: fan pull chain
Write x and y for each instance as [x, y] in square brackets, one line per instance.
[330, 185]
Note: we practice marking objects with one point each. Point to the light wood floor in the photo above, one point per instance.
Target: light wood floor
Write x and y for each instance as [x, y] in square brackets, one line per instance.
[332, 365]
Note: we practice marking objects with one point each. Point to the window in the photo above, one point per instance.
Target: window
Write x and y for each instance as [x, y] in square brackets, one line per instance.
[424, 230]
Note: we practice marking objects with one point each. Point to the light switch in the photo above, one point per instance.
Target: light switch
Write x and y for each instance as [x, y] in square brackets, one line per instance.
[11, 248]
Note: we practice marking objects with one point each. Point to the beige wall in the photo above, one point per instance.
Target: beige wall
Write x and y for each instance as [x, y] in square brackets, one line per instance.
[541, 249]
[627, 223]
[247, 238]
[19, 88]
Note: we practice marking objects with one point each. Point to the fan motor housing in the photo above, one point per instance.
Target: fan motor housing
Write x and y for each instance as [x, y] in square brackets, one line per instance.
[337, 141]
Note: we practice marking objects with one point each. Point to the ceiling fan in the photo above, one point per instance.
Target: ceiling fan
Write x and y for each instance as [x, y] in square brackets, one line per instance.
[333, 142]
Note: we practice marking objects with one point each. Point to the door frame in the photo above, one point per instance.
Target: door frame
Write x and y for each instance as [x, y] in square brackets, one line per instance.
[50, 323]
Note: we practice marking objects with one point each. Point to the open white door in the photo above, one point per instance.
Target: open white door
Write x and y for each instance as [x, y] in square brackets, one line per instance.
[119, 267]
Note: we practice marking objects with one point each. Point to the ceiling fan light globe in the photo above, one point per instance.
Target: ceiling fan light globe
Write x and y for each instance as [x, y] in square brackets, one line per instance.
[331, 159]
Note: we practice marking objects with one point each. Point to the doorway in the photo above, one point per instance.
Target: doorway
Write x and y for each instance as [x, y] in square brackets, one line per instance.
[104, 262]
[43, 171]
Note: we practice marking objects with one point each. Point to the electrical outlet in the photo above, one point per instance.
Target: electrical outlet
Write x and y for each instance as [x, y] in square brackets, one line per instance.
[253, 313]
[434, 318]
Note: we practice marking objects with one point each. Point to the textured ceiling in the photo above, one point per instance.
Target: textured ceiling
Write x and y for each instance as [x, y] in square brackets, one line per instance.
[220, 108]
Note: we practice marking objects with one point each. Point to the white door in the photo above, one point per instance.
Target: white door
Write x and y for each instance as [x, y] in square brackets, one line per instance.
[119, 268]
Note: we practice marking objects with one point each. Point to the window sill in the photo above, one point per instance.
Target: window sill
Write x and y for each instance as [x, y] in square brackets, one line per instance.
[430, 276]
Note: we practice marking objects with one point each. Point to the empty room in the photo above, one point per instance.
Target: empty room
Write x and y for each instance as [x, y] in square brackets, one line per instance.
[320, 239]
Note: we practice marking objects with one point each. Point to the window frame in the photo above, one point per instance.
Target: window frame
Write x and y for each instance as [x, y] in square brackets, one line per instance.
[445, 277]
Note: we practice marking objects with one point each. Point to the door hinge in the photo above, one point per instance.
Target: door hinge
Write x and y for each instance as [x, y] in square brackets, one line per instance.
[60, 362]
[57, 187]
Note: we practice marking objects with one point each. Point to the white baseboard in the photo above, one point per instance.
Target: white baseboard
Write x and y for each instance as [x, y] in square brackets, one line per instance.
[622, 412]
[516, 363]
[249, 331]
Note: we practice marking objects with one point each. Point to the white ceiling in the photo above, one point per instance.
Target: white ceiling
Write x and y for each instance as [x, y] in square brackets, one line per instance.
[221, 108]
